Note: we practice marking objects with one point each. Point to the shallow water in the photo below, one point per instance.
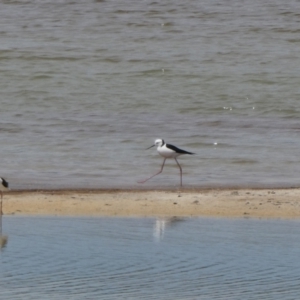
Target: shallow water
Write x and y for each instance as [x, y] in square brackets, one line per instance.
[132, 258]
[86, 87]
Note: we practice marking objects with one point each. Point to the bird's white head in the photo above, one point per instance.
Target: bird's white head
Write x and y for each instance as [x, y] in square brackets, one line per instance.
[157, 143]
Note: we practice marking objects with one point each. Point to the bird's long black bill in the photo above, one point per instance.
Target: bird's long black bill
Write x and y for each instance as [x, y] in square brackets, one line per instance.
[150, 147]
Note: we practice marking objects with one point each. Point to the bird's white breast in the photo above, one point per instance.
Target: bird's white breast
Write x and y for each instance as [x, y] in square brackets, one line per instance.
[166, 152]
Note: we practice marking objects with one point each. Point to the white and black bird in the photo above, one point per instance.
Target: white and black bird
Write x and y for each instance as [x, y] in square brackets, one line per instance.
[167, 151]
[3, 186]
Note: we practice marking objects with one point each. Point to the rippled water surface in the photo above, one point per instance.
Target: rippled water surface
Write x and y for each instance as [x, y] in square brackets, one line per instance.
[117, 258]
[86, 86]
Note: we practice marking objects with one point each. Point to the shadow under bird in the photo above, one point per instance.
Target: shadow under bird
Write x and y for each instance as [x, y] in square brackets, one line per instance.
[167, 151]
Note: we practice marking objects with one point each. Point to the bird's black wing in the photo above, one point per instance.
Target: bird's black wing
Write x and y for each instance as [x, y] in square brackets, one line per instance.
[4, 182]
[177, 150]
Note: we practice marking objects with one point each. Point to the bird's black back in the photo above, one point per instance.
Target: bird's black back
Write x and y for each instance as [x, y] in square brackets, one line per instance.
[178, 150]
[4, 182]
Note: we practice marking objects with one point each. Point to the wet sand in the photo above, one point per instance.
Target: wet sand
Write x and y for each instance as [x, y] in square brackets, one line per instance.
[265, 203]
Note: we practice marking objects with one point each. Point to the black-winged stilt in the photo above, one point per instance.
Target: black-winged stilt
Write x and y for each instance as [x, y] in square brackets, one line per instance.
[3, 186]
[167, 151]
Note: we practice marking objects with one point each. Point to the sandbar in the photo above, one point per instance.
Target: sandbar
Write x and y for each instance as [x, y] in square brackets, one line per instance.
[260, 203]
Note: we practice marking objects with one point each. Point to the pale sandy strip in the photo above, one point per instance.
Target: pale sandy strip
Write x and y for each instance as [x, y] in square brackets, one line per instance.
[266, 203]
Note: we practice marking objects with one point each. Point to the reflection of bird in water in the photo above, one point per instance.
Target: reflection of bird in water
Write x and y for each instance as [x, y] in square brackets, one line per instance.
[159, 229]
[3, 241]
[162, 223]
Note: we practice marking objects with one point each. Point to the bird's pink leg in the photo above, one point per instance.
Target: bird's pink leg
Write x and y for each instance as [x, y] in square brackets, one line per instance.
[180, 171]
[162, 166]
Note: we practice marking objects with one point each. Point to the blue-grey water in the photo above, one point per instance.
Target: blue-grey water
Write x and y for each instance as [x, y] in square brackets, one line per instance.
[119, 258]
[86, 86]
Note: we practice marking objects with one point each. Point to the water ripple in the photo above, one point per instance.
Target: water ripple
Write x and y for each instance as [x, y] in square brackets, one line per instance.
[81, 78]
[149, 259]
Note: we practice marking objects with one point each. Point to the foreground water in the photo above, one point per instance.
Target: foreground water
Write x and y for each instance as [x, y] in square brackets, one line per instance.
[86, 86]
[117, 258]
